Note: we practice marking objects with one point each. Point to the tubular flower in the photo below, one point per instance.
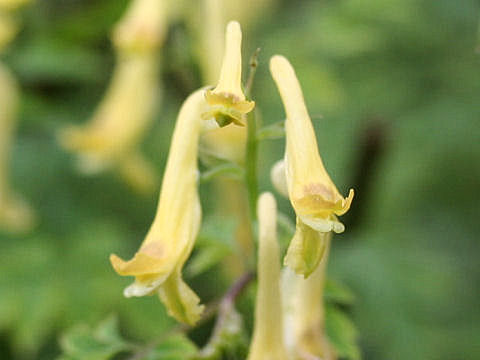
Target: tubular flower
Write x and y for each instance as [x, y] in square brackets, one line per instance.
[110, 139]
[15, 214]
[304, 312]
[267, 343]
[309, 312]
[227, 142]
[158, 263]
[227, 101]
[312, 193]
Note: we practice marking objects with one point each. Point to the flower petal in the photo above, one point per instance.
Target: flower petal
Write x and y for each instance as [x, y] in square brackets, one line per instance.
[306, 249]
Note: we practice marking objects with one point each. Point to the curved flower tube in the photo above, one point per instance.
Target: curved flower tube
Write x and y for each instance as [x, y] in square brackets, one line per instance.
[110, 139]
[227, 101]
[158, 263]
[304, 312]
[267, 342]
[309, 312]
[312, 193]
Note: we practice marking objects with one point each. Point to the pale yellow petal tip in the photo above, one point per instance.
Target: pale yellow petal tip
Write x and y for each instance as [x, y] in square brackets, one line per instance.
[346, 203]
[234, 31]
[138, 289]
[267, 206]
[323, 225]
[278, 178]
[280, 65]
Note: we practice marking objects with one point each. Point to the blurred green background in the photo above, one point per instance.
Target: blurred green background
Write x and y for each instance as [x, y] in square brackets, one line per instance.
[393, 87]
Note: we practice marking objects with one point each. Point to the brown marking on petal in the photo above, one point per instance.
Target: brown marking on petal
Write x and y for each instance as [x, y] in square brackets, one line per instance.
[320, 191]
[153, 249]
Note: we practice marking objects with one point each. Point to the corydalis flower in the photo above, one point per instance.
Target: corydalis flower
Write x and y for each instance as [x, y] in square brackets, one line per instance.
[110, 139]
[306, 313]
[143, 27]
[226, 142]
[158, 263]
[312, 193]
[267, 342]
[227, 101]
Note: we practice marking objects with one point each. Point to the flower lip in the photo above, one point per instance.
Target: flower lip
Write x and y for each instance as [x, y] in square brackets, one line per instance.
[320, 200]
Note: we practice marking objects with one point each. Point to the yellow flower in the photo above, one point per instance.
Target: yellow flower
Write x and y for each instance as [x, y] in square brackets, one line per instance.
[227, 101]
[305, 312]
[267, 342]
[15, 214]
[312, 193]
[158, 263]
[143, 27]
[121, 119]
[110, 139]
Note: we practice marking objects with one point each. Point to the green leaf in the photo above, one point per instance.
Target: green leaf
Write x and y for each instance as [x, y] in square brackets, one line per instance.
[342, 333]
[174, 347]
[338, 293]
[81, 342]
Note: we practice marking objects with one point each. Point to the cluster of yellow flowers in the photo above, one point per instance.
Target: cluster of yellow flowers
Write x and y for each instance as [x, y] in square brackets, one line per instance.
[213, 118]
[157, 265]
[110, 139]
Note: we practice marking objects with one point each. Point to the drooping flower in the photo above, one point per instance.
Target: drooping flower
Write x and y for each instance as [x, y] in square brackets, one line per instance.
[313, 195]
[267, 342]
[110, 139]
[227, 100]
[158, 263]
[304, 312]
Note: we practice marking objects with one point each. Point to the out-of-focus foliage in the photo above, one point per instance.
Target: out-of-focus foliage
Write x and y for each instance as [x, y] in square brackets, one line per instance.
[393, 89]
[105, 342]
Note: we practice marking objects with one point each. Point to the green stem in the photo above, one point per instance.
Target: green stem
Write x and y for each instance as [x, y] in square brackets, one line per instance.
[251, 164]
[251, 75]
[251, 180]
